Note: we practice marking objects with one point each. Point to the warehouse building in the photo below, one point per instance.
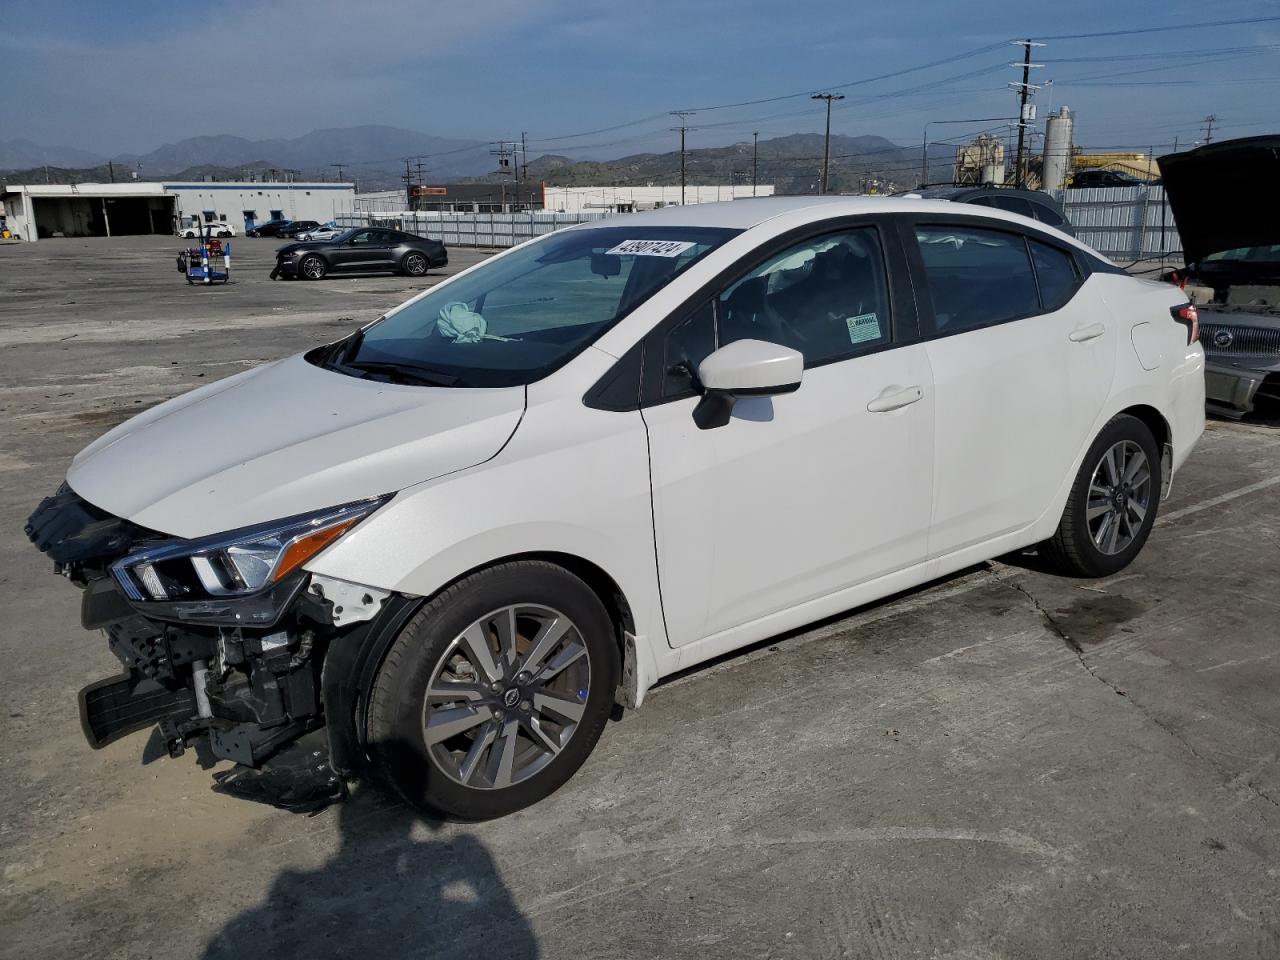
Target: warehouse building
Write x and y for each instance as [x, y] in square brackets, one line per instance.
[34, 211]
[635, 199]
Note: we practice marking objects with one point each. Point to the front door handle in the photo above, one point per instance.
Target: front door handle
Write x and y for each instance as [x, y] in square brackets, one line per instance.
[895, 400]
[1090, 332]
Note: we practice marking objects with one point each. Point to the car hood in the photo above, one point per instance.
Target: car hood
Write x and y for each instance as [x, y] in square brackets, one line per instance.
[1224, 195]
[302, 245]
[283, 439]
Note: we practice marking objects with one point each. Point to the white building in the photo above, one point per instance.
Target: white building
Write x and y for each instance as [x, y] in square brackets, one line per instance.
[120, 209]
[633, 199]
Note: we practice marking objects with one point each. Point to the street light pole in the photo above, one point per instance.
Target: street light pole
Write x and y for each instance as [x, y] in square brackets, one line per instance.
[826, 147]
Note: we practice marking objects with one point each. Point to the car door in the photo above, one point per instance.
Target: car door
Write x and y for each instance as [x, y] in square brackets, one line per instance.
[360, 251]
[1022, 360]
[802, 495]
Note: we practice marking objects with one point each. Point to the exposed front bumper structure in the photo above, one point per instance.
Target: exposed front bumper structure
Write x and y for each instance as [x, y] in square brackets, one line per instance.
[241, 693]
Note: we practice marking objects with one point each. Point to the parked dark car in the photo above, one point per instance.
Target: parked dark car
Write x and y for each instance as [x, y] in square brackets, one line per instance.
[1030, 203]
[363, 248]
[1224, 198]
[270, 228]
[1106, 178]
[295, 227]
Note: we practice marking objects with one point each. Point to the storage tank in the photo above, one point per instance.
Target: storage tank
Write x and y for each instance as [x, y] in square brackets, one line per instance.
[1057, 148]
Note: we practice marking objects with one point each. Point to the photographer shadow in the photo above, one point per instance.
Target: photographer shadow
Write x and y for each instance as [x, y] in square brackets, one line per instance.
[385, 894]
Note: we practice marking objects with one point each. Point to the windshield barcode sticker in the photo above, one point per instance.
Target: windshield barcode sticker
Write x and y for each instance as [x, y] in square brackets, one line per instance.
[864, 327]
[650, 248]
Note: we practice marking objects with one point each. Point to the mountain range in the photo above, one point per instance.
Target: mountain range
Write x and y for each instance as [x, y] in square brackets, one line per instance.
[375, 150]
[373, 157]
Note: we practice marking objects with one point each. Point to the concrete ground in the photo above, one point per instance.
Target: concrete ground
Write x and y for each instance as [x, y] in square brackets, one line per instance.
[1003, 765]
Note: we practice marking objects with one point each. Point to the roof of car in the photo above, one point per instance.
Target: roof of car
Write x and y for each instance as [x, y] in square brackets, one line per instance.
[750, 212]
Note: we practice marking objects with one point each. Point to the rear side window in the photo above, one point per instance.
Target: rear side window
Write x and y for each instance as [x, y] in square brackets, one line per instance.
[976, 277]
[1056, 272]
[1047, 215]
[1013, 204]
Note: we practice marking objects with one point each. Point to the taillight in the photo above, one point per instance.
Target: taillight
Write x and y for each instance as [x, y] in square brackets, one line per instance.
[1187, 315]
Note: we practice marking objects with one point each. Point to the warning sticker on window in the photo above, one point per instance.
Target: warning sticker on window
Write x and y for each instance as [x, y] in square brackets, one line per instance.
[651, 248]
[863, 327]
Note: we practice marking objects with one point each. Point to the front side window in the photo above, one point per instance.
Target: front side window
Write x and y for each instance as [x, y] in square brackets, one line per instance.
[976, 277]
[827, 298]
[685, 346]
[520, 316]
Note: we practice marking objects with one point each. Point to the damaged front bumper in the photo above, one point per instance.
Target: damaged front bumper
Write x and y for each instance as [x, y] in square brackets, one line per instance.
[244, 693]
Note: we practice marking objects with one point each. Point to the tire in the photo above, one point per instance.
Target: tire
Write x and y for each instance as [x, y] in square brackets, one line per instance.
[223, 233]
[414, 264]
[312, 267]
[1105, 543]
[435, 649]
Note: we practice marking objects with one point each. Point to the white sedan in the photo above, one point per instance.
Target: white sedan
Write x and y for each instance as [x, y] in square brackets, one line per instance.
[216, 228]
[324, 232]
[457, 536]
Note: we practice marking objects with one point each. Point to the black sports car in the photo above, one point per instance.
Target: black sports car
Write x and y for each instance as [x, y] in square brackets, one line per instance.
[268, 228]
[364, 248]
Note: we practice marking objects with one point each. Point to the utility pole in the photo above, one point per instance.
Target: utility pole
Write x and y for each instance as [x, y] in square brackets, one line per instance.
[826, 147]
[1209, 121]
[339, 166]
[505, 154]
[408, 186]
[684, 115]
[524, 160]
[1026, 111]
[755, 156]
[111, 167]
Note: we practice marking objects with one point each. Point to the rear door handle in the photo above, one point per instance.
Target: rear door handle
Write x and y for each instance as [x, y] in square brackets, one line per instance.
[895, 400]
[1090, 332]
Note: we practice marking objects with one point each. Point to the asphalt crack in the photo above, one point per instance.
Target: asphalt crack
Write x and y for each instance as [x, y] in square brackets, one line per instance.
[1054, 627]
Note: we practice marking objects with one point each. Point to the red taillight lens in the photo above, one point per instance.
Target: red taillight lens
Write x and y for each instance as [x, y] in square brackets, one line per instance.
[1189, 317]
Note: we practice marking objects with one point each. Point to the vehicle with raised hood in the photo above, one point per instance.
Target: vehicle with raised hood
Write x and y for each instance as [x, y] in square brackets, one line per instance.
[444, 548]
[1225, 199]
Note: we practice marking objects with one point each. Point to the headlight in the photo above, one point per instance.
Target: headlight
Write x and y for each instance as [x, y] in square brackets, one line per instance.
[240, 563]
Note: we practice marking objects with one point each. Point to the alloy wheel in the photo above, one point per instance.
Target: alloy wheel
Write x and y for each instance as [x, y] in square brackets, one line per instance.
[415, 264]
[313, 267]
[506, 696]
[1119, 497]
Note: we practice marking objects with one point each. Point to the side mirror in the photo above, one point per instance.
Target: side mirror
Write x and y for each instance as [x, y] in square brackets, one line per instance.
[604, 265]
[744, 368]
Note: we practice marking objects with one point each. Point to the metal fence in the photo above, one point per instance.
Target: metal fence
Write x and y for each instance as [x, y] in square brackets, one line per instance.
[472, 229]
[1125, 223]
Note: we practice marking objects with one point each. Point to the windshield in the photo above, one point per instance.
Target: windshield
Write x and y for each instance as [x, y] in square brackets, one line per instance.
[1266, 254]
[519, 317]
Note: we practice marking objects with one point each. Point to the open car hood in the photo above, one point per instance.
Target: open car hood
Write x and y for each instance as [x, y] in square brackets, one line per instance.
[1225, 195]
[286, 438]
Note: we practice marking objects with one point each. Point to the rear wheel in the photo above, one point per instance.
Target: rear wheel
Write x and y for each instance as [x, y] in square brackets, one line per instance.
[414, 264]
[1113, 502]
[313, 267]
[495, 692]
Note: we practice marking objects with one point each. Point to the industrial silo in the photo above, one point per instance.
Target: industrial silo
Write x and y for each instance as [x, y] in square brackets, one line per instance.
[1057, 148]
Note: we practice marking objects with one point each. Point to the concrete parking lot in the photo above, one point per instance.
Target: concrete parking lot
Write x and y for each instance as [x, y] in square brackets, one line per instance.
[1003, 765]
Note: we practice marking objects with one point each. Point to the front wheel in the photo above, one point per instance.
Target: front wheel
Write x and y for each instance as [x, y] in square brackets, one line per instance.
[495, 693]
[1113, 502]
[313, 267]
[414, 264]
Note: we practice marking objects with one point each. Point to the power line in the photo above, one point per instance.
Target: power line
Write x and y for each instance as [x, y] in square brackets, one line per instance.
[1202, 25]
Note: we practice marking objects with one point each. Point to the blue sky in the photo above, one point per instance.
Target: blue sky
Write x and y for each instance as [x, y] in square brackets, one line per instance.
[131, 75]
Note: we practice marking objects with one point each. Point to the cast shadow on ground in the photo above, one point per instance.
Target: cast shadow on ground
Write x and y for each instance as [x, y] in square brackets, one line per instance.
[385, 894]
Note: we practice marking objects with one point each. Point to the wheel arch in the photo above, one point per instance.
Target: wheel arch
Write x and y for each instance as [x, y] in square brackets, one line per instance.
[1154, 420]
